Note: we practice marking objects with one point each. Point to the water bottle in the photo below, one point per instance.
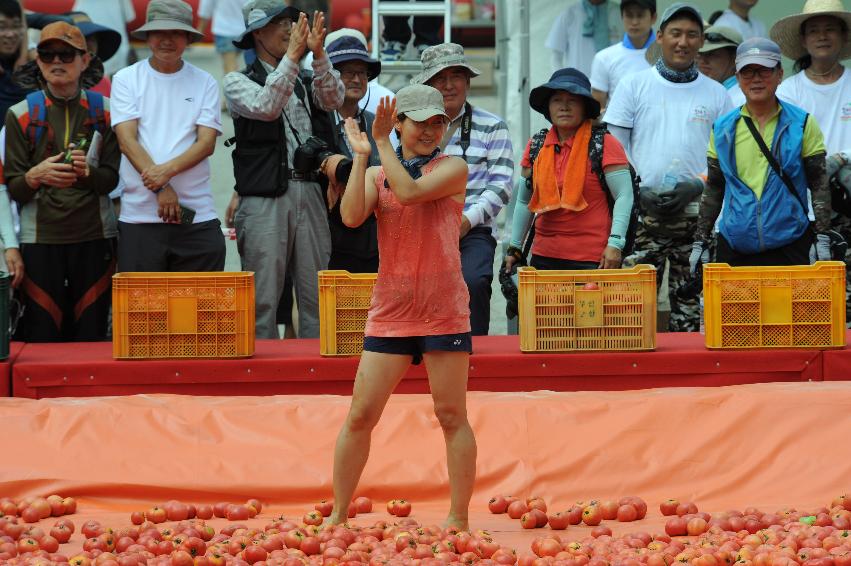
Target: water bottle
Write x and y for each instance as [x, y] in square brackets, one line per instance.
[702, 323]
[672, 175]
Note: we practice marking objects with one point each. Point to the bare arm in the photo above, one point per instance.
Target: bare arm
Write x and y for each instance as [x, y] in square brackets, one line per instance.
[449, 178]
[360, 197]
[600, 96]
[157, 175]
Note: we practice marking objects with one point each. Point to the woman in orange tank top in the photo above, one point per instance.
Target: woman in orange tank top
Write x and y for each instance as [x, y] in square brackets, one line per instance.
[420, 302]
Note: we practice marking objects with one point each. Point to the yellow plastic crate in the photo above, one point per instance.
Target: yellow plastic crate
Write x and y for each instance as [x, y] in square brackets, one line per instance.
[343, 304]
[559, 314]
[801, 306]
[182, 315]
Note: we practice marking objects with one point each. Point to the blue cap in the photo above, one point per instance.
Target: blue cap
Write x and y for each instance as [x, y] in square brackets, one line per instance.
[677, 8]
[349, 48]
[568, 80]
[757, 51]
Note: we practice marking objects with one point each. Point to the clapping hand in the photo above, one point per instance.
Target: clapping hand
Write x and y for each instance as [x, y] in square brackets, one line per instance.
[316, 35]
[385, 118]
[298, 39]
[358, 139]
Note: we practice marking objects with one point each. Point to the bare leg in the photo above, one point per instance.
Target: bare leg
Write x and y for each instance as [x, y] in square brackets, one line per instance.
[447, 377]
[376, 379]
[229, 61]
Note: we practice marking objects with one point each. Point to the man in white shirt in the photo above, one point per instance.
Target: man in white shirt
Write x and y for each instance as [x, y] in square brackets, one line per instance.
[227, 26]
[166, 115]
[663, 117]
[581, 30]
[613, 63]
[737, 16]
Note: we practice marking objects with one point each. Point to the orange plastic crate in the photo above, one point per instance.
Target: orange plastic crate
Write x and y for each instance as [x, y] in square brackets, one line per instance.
[182, 315]
[800, 306]
[344, 300]
[559, 314]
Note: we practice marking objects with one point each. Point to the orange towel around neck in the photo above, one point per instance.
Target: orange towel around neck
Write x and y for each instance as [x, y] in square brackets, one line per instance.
[545, 192]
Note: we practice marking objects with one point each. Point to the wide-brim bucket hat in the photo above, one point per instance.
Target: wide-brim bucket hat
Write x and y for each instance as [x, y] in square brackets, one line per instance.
[108, 39]
[348, 48]
[257, 14]
[567, 80]
[168, 15]
[443, 56]
[787, 31]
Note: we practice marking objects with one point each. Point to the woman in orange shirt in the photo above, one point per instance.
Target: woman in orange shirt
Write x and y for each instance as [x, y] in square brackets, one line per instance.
[575, 227]
[419, 306]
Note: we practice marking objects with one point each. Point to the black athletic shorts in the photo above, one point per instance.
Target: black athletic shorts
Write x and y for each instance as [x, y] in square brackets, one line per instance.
[416, 346]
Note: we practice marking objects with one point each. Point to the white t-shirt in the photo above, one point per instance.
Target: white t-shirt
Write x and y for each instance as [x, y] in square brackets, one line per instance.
[169, 108]
[614, 63]
[748, 28]
[226, 15]
[668, 121]
[829, 104]
[115, 14]
[566, 37]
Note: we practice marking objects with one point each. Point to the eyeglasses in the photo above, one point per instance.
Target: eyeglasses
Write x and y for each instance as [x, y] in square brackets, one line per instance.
[763, 72]
[283, 22]
[50, 56]
[14, 28]
[349, 75]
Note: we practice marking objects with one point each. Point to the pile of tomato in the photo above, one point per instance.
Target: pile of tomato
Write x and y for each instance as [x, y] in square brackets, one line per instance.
[787, 537]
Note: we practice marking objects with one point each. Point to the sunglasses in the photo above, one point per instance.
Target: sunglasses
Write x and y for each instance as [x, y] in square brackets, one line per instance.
[50, 56]
[750, 72]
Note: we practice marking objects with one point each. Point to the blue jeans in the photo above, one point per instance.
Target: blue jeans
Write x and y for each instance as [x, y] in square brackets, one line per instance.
[477, 251]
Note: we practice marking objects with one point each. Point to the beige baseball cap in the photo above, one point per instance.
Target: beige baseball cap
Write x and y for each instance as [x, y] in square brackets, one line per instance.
[420, 102]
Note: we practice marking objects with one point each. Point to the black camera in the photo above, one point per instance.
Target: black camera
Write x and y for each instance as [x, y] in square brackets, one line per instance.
[310, 155]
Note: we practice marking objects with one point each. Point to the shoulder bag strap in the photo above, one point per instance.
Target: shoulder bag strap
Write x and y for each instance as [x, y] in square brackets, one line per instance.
[773, 162]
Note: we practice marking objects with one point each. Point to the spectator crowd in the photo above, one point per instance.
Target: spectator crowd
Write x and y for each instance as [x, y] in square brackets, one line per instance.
[674, 140]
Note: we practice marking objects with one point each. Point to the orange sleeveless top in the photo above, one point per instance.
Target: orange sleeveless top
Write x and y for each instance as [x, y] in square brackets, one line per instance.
[420, 290]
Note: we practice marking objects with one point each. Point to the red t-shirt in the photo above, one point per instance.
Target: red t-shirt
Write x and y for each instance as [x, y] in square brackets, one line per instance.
[568, 234]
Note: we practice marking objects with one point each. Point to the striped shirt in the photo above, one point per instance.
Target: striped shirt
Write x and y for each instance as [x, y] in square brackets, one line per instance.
[490, 159]
[248, 99]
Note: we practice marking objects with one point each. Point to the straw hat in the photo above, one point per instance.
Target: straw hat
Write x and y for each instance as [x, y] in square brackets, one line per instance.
[787, 31]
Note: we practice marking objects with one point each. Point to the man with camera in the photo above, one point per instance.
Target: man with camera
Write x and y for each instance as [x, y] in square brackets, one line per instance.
[280, 214]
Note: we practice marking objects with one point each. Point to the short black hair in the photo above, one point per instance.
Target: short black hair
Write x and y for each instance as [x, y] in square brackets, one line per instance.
[638, 4]
[683, 15]
[11, 9]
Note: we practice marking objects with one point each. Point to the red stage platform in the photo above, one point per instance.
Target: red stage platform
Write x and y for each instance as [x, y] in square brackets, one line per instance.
[6, 369]
[295, 367]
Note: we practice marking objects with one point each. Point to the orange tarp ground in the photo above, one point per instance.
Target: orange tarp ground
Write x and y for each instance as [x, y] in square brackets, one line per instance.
[769, 445]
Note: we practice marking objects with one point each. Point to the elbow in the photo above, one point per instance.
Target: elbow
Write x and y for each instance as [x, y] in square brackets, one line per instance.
[350, 220]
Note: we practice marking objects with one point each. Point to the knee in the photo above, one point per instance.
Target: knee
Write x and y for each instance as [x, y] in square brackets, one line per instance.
[450, 418]
[477, 284]
[362, 419]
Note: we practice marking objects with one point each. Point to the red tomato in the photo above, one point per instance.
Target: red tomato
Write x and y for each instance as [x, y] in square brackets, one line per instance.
[498, 505]
[627, 513]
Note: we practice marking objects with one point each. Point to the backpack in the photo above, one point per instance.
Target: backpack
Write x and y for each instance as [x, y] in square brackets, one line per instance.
[595, 154]
[37, 125]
